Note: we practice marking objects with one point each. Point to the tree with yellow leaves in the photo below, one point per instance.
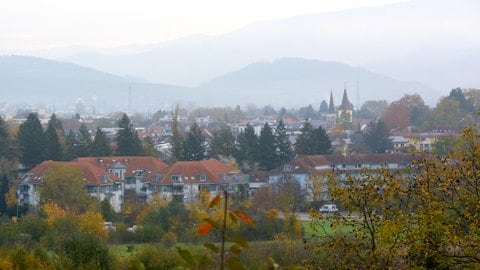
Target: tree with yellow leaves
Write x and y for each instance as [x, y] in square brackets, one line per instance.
[64, 186]
[427, 216]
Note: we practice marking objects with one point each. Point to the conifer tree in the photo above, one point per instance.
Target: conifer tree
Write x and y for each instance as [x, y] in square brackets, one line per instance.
[4, 140]
[304, 143]
[177, 137]
[247, 154]
[194, 145]
[54, 149]
[71, 142]
[377, 137]
[322, 144]
[101, 144]
[128, 143]
[267, 148]
[223, 143]
[32, 142]
[283, 145]
[84, 142]
[312, 141]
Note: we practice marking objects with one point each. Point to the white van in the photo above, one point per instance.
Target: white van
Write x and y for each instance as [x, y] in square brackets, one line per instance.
[328, 208]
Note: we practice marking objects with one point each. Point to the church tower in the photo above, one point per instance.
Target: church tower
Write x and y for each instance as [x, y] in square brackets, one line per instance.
[331, 114]
[345, 110]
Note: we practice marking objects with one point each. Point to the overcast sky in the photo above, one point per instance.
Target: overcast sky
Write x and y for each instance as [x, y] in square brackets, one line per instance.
[41, 24]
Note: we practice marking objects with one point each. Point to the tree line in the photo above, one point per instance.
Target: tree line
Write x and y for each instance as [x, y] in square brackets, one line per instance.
[250, 151]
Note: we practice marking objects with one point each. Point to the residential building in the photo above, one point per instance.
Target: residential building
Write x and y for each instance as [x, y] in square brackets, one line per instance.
[306, 168]
[98, 183]
[105, 177]
[400, 143]
[185, 179]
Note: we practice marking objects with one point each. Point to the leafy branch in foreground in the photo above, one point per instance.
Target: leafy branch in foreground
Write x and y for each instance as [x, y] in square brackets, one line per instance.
[230, 246]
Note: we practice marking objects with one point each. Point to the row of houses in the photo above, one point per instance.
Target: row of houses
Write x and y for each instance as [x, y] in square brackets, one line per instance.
[113, 177]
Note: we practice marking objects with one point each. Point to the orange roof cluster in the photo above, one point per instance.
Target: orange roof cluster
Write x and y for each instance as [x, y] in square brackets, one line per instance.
[95, 169]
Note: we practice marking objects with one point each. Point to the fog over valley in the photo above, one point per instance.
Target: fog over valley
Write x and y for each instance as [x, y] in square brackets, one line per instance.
[377, 52]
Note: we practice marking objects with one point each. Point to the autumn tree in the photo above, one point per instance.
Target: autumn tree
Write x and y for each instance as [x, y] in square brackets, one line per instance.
[417, 110]
[376, 238]
[372, 109]
[424, 216]
[5, 142]
[396, 116]
[32, 142]
[64, 185]
[446, 224]
[7, 166]
[473, 97]
[447, 114]
[465, 105]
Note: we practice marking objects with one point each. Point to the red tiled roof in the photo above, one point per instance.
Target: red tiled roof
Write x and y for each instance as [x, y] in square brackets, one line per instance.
[93, 175]
[95, 169]
[191, 170]
[132, 163]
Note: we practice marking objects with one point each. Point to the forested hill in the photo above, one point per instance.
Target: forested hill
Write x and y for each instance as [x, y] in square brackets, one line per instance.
[297, 81]
[35, 80]
[287, 82]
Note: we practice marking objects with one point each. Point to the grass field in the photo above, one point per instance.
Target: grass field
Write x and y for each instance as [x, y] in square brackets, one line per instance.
[322, 228]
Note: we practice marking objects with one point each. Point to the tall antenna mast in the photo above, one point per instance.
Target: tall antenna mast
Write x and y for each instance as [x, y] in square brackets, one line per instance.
[358, 95]
[129, 98]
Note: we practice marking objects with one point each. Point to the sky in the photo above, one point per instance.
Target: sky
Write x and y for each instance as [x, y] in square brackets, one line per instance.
[29, 25]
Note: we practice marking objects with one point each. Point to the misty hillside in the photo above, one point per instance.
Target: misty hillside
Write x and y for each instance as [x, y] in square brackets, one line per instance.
[297, 82]
[27, 67]
[33, 80]
[440, 68]
[353, 36]
[285, 82]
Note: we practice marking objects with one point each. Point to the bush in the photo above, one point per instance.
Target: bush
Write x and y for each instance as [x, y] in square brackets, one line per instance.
[155, 257]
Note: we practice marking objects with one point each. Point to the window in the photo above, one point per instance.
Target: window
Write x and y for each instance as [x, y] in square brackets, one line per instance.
[287, 168]
[176, 178]
[130, 180]
[139, 173]
[202, 177]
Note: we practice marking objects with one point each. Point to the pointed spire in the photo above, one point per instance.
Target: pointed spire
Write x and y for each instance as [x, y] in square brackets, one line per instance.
[346, 105]
[331, 106]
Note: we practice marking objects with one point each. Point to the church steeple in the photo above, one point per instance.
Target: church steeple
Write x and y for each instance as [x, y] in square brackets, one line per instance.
[346, 105]
[331, 106]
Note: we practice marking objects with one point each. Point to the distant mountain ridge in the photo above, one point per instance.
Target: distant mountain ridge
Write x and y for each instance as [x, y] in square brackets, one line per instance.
[354, 37]
[33, 80]
[299, 81]
[288, 82]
